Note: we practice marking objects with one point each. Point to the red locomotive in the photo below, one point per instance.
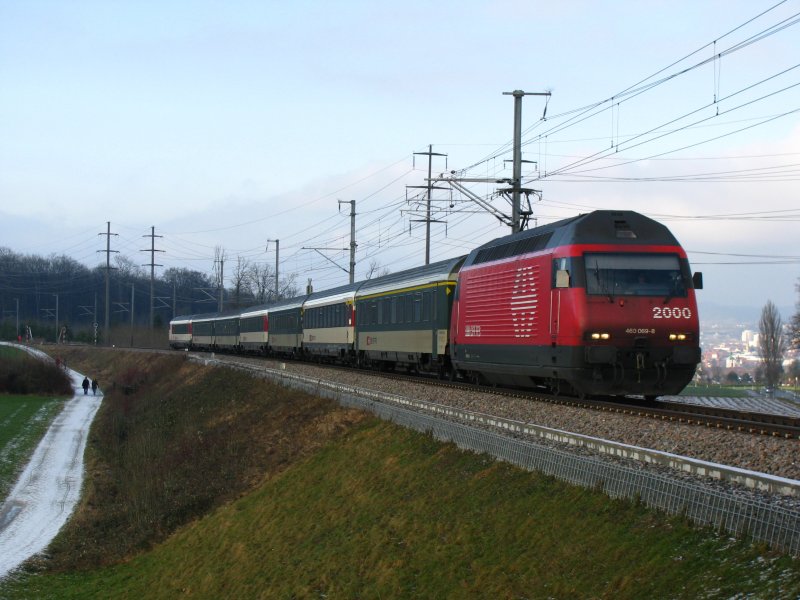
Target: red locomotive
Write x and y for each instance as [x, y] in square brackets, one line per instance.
[602, 303]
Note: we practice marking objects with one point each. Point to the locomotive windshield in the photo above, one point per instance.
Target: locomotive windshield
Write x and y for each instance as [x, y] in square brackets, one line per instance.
[634, 275]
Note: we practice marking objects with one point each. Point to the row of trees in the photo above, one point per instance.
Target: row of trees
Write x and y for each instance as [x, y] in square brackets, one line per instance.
[254, 283]
[50, 293]
[34, 290]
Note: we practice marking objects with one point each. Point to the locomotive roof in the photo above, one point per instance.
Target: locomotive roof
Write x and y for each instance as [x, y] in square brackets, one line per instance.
[417, 276]
[623, 227]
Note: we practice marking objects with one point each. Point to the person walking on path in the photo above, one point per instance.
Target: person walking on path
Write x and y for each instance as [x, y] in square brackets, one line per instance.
[94, 387]
[85, 385]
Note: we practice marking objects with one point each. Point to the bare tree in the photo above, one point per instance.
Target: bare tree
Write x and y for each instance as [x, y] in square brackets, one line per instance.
[126, 268]
[794, 372]
[716, 373]
[375, 270]
[261, 283]
[771, 343]
[240, 279]
[288, 287]
[261, 279]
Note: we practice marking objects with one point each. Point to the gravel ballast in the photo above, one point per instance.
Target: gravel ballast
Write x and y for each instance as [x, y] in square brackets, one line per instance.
[760, 453]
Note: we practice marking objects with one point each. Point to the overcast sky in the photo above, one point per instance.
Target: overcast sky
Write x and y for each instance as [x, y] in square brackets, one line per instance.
[234, 123]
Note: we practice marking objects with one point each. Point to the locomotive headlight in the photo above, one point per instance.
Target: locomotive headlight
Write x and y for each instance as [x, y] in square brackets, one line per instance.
[601, 336]
[677, 337]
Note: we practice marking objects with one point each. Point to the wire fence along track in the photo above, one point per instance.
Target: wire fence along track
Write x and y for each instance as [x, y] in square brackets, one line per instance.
[724, 510]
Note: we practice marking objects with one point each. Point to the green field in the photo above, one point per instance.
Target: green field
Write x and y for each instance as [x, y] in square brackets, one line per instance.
[726, 391]
[7, 352]
[23, 422]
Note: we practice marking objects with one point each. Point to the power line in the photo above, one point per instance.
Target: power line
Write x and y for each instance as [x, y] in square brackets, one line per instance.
[585, 112]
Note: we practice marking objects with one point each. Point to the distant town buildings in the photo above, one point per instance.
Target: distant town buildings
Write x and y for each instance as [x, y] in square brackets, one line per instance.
[733, 349]
[750, 338]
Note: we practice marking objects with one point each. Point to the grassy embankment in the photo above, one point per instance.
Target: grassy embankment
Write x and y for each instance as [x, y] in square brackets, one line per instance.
[21, 373]
[206, 484]
[31, 395]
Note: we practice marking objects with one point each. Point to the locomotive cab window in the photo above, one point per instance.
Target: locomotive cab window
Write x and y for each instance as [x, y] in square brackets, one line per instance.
[565, 272]
[635, 275]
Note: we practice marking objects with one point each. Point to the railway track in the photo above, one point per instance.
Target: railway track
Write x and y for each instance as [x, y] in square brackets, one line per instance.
[745, 421]
[782, 426]
[740, 420]
[774, 425]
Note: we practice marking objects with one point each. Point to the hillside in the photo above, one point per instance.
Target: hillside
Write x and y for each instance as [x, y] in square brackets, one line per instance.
[173, 441]
[206, 484]
[21, 373]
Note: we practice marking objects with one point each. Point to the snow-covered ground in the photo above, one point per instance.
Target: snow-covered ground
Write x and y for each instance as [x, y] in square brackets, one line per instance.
[49, 487]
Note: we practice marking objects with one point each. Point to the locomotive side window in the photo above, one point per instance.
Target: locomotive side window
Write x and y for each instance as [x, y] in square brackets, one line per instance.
[634, 275]
[564, 272]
